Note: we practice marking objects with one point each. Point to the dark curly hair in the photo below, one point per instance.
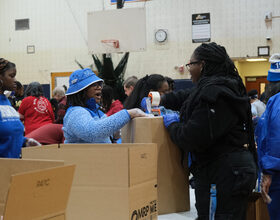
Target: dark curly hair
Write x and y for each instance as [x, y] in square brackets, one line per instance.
[142, 88]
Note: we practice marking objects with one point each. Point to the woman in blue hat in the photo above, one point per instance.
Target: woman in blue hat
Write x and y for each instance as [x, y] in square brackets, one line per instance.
[84, 122]
[268, 140]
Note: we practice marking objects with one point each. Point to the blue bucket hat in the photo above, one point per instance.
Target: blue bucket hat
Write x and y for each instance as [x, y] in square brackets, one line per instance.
[81, 79]
[274, 72]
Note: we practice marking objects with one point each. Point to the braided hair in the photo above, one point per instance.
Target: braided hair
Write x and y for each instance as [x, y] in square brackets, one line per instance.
[218, 63]
[142, 88]
[5, 65]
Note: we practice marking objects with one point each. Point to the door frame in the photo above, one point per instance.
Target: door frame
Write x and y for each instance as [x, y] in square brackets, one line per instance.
[57, 74]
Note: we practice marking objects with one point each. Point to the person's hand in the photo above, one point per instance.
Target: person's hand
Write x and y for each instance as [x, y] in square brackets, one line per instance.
[136, 112]
[170, 118]
[21, 117]
[146, 104]
[117, 135]
[30, 142]
[265, 184]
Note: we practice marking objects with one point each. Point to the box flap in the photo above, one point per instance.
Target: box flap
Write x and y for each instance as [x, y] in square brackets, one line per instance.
[154, 131]
[97, 164]
[39, 194]
[9, 167]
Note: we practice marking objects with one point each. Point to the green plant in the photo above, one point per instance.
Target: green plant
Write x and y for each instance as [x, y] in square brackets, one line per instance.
[112, 77]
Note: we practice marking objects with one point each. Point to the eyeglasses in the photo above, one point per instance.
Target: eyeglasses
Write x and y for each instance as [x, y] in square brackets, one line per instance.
[98, 84]
[191, 63]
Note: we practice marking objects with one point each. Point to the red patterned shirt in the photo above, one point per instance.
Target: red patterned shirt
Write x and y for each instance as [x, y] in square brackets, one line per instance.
[36, 112]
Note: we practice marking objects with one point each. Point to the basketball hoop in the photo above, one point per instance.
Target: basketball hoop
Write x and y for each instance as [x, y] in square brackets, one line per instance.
[112, 43]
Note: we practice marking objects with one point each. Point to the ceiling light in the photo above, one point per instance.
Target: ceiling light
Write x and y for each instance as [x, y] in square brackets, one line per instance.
[256, 59]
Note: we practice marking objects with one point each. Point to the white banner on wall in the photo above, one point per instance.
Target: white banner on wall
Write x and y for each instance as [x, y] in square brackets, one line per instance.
[201, 29]
[61, 81]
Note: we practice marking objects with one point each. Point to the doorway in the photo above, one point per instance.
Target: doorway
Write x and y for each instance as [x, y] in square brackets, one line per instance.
[257, 82]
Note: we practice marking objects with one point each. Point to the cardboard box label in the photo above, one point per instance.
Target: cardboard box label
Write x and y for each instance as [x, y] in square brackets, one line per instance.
[149, 210]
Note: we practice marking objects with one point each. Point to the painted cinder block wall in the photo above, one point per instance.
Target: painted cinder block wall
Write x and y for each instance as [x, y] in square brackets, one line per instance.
[58, 29]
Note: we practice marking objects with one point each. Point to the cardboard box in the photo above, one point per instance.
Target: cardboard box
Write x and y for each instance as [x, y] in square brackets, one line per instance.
[112, 181]
[173, 181]
[31, 189]
[257, 208]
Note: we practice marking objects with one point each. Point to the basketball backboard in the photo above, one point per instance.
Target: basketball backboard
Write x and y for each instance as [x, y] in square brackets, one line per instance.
[119, 30]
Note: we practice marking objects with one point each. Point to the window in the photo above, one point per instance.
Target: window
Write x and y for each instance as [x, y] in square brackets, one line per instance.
[22, 24]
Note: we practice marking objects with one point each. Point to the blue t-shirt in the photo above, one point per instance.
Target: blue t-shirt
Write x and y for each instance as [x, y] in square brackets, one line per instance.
[11, 130]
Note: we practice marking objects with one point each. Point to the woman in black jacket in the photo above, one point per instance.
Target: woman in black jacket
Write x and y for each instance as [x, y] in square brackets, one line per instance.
[215, 125]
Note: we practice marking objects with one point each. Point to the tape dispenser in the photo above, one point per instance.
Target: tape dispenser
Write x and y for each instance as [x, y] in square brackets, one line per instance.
[153, 103]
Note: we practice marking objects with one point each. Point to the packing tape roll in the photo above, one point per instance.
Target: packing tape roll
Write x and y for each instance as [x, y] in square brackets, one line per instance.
[155, 98]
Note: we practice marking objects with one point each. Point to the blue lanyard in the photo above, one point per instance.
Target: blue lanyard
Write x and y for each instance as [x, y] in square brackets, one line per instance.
[213, 202]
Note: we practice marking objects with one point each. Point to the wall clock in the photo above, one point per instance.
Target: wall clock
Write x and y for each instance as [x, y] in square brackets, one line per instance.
[161, 35]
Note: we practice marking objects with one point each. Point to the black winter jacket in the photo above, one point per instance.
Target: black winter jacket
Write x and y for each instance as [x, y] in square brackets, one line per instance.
[215, 119]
